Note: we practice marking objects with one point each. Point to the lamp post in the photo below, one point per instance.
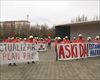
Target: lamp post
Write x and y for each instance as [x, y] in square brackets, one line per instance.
[27, 17]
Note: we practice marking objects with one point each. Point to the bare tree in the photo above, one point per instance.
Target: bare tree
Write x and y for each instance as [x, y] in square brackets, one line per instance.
[84, 18]
[80, 19]
[42, 30]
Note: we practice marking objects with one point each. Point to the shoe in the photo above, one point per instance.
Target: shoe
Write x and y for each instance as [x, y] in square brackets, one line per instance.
[28, 62]
[33, 62]
[14, 64]
[9, 64]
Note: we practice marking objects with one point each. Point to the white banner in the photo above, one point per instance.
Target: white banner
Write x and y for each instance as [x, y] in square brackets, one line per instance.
[42, 46]
[72, 51]
[18, 52]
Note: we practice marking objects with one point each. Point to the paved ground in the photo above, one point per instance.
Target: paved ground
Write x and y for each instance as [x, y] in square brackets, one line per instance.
[49, 69]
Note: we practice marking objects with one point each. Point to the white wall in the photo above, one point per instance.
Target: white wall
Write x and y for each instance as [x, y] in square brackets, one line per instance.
[91, 30]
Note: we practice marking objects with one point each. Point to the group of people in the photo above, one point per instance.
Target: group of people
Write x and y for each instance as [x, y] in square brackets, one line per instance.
[80, 39]
[30, 39]
[48, 40]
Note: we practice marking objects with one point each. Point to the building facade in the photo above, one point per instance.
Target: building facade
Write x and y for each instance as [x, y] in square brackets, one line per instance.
[15, 28]
[90, 28]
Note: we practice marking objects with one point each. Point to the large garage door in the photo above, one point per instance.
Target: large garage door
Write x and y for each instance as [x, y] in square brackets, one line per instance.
[62, 31]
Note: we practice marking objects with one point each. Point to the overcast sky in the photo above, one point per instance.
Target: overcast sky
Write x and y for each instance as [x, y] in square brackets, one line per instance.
[48, 12]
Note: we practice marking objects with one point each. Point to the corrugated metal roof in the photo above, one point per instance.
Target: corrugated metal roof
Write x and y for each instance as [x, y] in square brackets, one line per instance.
[81, 23]
[15, 21]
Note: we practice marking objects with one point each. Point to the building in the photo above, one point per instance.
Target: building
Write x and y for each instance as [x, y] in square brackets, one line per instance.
[15, 28]
[89, 28]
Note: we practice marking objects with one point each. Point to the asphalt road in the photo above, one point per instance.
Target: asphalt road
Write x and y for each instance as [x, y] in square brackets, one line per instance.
[48, 69]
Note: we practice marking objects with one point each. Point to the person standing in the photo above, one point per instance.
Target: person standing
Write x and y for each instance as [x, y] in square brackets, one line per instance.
[49, 42]
[80, 39]
[31, 40]
[97, 39]
[89, 40]
[66, 40]
[74, 40]
[58, 41]
[12, 40]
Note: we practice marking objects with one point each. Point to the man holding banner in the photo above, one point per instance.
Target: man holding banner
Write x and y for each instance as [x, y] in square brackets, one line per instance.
[10, 40]
[57, 41]
[49, 42]
[31, 40]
